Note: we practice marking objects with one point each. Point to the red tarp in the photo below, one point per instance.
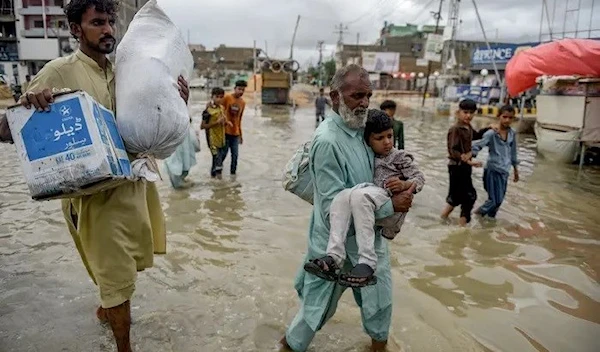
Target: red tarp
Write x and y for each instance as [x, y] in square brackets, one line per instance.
[579, 57]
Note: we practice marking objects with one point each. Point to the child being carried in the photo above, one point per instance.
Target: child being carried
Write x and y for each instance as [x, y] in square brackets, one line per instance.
[359, 204]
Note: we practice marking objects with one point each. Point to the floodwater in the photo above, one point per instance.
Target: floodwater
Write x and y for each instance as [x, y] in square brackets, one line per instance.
[527, 282]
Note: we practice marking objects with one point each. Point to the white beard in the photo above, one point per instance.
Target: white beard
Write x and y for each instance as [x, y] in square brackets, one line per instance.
[354, 119]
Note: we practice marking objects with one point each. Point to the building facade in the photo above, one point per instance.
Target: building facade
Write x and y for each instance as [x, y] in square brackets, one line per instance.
[42, 33]
[9, 52]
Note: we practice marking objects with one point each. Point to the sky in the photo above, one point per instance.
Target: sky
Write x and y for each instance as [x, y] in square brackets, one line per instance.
[271, 22]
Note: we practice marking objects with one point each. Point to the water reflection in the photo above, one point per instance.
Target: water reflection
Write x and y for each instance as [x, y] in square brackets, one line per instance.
[452, 285]
[526, 282]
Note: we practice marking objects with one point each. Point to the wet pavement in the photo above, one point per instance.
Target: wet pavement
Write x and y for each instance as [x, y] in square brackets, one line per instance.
[527, 282]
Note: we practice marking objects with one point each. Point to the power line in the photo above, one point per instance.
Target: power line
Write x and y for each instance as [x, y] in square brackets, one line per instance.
[423, 10]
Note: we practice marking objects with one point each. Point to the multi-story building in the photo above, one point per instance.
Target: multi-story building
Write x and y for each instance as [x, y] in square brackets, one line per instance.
[43, 34]
[9, 53]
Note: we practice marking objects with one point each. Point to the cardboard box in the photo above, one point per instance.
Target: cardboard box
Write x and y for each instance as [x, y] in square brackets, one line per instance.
[73, 150]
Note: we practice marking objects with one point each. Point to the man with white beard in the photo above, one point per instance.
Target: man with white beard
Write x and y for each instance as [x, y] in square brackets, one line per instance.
[340, 159]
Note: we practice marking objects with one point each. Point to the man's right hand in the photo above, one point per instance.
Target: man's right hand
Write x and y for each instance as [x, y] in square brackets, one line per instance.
[403, 200]
[40, 100]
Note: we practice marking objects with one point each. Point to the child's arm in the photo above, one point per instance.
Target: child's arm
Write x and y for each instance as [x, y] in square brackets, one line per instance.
[205, 125]
[406, 164]
[514, 159]
[454, 144]
[477, 146]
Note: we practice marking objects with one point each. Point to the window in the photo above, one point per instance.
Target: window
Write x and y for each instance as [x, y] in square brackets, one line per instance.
[38, 24]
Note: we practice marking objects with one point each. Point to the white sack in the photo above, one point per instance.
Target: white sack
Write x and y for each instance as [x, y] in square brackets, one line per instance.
[151, 116]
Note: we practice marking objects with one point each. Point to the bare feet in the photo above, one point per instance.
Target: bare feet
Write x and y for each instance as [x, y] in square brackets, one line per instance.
[101, 315]
[463, 221]
[378, 346]
[119, 318]
[283, 345]
[447, 210]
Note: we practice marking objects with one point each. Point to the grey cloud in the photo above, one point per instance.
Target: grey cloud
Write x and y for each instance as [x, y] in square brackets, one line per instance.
[238, 23]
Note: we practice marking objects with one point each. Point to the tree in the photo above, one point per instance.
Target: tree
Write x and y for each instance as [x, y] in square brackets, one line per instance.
[328, 71]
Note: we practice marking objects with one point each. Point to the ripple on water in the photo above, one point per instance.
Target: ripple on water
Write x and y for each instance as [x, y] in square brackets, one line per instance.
[528, 281]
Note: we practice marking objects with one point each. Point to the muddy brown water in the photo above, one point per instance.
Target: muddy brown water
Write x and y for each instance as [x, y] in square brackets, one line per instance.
[527, 282]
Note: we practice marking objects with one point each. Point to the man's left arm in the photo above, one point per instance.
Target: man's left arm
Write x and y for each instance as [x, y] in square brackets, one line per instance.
[242, 115]
[514, 158]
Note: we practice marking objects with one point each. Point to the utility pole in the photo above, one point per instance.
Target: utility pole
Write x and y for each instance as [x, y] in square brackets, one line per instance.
[294, 38]
[437, 15]
[340, 31]
[591, 19]
[320, 63]
[490, 50]
[450, 46]
[357, 51]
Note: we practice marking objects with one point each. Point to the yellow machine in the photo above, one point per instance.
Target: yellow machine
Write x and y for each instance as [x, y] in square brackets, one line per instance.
[277, 78]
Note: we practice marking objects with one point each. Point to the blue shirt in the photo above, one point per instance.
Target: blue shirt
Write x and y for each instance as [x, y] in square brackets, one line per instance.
[503, 154]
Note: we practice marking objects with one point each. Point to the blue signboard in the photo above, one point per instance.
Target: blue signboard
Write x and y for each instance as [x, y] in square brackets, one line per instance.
[501, 53]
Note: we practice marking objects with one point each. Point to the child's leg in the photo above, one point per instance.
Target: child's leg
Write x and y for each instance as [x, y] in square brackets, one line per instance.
[453, 197]
[468, 195]
[364, 202]
[340, 217]
[495, 184]
[391, 225]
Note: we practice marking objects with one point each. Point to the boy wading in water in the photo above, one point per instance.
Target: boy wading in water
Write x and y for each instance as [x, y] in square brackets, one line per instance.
[460, 165]
[214, 122]
[389, 107]
[503, 154]
[320, 104]
[360, 202]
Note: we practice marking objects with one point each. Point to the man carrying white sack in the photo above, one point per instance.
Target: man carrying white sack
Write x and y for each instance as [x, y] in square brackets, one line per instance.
[116, 231]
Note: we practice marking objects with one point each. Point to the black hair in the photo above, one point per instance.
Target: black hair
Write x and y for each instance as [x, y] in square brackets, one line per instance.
[76, 8]
[241, 83]
[217, 91]
[321, 90]
[506, 108]
[468, 105]
[377, 122]
[388, 104]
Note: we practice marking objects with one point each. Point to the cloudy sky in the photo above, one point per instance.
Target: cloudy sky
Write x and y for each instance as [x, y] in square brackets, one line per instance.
[271, 22]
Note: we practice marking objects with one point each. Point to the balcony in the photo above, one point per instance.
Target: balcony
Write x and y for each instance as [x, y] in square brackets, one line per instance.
[37, 11]
[7, 17]
[39, 33]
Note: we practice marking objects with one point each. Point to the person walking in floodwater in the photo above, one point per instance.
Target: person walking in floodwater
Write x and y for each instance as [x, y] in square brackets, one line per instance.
[503, 154]
[115, 231]
[359, 203]
[320, 104]
[460, 165]
[213, 122]
[389, 107]
[340, 159]
[234, 106]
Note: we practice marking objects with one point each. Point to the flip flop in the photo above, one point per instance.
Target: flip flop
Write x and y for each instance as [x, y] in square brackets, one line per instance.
[317, 268]
[360, 271]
